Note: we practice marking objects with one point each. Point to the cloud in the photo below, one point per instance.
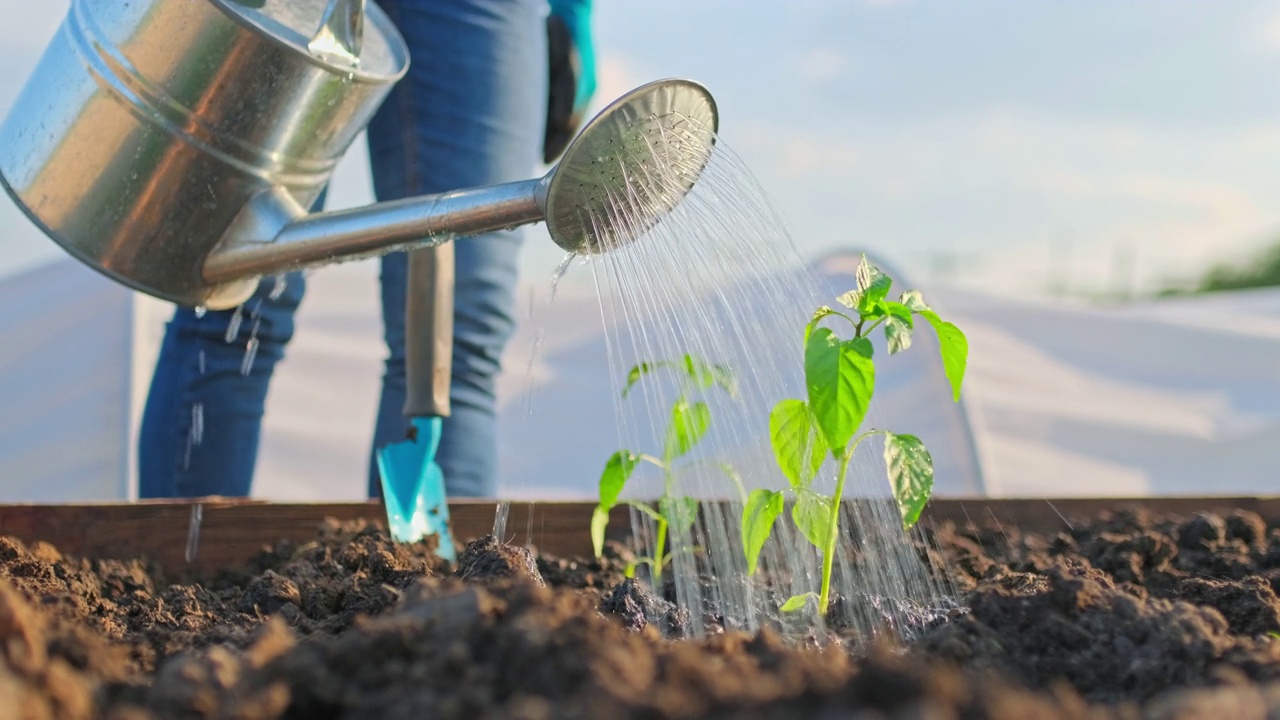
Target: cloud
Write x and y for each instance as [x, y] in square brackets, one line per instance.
[820, 65]
[1271, 33]
[1001, 186]
[800, 157]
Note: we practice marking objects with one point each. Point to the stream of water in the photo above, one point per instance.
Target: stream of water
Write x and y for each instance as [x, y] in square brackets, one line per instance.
[721, 279]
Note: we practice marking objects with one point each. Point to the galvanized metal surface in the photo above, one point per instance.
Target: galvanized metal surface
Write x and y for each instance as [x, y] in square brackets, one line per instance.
[630, 166]
[344, 235]
[625, 171]
[147, 127]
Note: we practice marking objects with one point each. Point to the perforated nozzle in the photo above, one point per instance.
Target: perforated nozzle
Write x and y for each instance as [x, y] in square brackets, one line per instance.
[630, 166]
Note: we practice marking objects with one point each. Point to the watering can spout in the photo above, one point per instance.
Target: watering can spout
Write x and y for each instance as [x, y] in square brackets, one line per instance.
[274, 234]
[629, 167]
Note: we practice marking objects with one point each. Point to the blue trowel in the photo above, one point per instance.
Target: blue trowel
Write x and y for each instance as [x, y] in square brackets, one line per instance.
[412, 485]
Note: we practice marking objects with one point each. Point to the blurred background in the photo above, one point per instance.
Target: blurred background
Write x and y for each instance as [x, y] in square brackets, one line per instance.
[1085, 160]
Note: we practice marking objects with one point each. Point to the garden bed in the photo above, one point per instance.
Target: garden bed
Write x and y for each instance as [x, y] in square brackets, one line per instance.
[1156, 612]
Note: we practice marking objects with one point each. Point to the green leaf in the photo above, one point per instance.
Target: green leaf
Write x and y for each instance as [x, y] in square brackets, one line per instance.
[899, 311]
[841, 379]
[680, 513]
[812, 515]
[724, 377]
[818, 315]
[910, 475]
[797, 602]
[870, 278]
[897, 326]
[897, 335]
[637, 372]
[797, 444]
[689, 422]
[599, 521]
[614, 477]
[873, 287]
[954, 348]
[762, 509]
[913, 300]
[701, 374]
[698, 372]
[704, 375]
[616, 472]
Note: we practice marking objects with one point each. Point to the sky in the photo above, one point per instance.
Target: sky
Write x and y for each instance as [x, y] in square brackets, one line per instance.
[1019, 146]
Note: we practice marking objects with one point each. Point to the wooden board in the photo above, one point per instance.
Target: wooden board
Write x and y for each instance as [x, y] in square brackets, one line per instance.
[231, 532]
[1056, 514]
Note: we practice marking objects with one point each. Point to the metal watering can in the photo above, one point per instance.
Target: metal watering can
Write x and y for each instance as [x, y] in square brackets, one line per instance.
[175, 144]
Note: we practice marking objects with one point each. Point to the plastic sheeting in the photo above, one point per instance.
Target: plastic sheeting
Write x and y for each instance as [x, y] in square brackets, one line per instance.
[66, 356]
[1151, 398]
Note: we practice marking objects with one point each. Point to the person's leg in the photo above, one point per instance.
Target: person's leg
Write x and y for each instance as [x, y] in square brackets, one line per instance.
[203, 416]
[470, 112]
[201, 424]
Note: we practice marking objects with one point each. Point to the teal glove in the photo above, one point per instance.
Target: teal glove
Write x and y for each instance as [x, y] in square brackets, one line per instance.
[413, 487]
[572, 58]
[576, 15]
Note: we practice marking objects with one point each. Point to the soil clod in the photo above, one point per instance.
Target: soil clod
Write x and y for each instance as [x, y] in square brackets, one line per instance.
[489, 559]
[638, 607]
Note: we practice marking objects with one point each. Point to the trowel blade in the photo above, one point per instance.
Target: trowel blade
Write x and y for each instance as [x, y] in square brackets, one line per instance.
[414, 493]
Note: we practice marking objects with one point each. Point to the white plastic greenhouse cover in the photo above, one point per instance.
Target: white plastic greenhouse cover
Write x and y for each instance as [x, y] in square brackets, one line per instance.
[1152, 398]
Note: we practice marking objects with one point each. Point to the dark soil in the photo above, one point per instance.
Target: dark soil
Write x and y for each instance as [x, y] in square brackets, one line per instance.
[1129, 616]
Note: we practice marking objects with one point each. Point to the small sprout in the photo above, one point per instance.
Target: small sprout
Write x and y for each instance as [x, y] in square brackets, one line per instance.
[690, 421]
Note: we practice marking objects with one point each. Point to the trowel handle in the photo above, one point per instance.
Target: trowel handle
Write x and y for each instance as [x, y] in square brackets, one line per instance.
[428, 339]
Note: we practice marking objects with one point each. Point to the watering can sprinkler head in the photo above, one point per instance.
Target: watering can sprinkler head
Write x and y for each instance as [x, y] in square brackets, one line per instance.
[630, 166]
[183, 168]
[627, 168]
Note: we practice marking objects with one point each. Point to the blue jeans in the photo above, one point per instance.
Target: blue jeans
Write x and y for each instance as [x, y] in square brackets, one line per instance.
[470, 112]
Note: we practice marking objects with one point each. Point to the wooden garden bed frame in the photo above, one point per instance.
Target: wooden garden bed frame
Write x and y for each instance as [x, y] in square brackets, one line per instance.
[232, 532]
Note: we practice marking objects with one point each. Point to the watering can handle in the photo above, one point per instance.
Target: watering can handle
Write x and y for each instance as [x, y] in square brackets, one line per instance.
[341, 30]
[428, 343]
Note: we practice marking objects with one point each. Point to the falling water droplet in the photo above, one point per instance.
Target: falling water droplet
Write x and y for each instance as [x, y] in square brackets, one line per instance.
[200, 311]
[560, 272]
[200, 360]
[233, 326]
[250, 352]
[197, 423]
[500, 519]
[193, 531]
[281, 284]
[539, 336]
